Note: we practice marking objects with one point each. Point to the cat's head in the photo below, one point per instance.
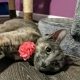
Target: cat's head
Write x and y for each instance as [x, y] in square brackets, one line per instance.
[49, 56]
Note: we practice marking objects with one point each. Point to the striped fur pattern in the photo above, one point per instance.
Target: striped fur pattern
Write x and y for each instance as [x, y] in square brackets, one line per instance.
[14, 32]
[48, 57]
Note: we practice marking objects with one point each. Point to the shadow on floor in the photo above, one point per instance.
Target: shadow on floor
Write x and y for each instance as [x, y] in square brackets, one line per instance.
[5, 63]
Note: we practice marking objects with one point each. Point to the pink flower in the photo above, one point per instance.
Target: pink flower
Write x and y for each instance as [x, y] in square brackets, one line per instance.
[27, 49]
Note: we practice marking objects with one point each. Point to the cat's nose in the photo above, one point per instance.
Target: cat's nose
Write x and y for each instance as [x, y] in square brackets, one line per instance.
[55, 63]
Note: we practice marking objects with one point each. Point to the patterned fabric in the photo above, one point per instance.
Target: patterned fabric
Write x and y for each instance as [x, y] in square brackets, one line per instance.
[23, 71]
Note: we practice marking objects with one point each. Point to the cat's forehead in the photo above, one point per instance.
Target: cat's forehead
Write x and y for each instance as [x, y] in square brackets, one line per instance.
[43, 45]
[44, 39]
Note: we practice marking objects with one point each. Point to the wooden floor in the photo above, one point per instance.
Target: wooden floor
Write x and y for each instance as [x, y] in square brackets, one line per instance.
[3, 19]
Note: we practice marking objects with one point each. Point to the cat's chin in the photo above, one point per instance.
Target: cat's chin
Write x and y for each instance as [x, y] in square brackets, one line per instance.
[49, 71]
[51, 68]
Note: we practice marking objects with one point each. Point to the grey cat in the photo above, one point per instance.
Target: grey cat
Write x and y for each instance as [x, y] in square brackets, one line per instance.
[48, 56]
[13, 33]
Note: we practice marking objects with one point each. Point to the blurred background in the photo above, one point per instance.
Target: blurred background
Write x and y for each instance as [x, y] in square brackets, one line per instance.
[43, 8]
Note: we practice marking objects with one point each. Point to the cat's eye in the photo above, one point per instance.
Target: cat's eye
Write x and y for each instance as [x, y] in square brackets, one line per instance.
[48, 49]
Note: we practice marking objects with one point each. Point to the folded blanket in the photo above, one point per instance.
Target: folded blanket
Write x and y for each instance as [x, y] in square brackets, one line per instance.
[71, 43]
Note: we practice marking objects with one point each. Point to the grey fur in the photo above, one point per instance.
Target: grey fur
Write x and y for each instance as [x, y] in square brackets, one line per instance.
[14, 32]
[48, 55]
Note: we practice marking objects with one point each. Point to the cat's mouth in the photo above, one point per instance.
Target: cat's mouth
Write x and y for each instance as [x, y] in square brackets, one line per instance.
[55, 66]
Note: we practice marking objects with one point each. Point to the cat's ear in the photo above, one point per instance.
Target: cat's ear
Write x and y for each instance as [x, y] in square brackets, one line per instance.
[59, 35]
